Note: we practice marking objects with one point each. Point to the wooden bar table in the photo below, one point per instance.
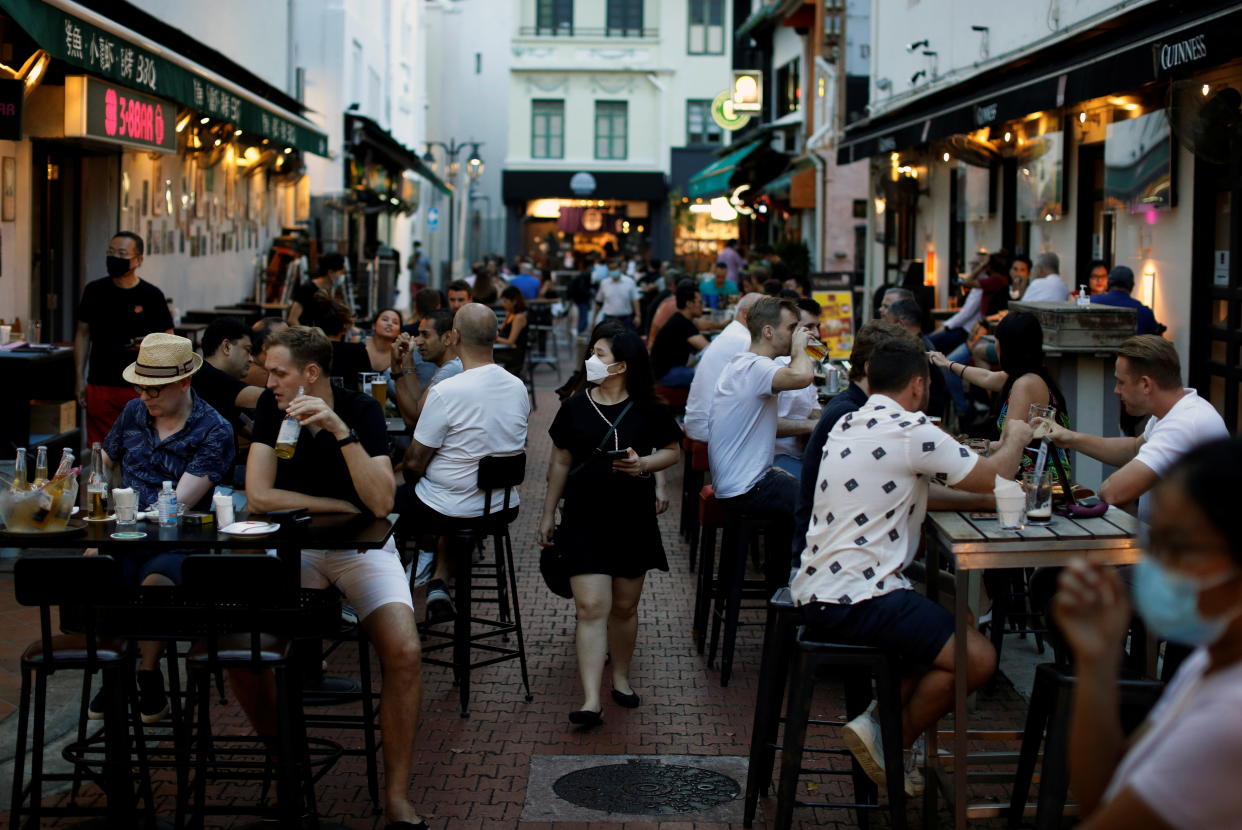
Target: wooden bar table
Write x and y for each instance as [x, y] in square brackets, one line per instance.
[973, 545]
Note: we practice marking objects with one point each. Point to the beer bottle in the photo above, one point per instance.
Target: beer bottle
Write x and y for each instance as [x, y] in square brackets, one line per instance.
[40, 474]
[287, 439]
[96, 485]
[19, 471]
[53, 490]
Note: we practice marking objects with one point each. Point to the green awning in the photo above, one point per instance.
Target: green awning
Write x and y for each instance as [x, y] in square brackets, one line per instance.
[713, 180]
[368, 139]
[125, 60]
[756, 19]
[781, 184]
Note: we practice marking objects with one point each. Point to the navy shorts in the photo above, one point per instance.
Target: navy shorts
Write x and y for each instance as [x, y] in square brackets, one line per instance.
[904, 622]
[137, 565]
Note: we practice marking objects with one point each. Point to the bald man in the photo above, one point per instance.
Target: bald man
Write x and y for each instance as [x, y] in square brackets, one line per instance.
[734, 340]
[482, 411]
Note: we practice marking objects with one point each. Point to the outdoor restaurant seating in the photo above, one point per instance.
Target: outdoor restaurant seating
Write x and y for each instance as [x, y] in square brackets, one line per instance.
[75, 585]
[504, 473]
[694, 471]
[863, 664]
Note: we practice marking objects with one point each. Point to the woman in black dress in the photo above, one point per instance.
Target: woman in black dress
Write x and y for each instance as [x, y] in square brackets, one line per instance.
[608, 531]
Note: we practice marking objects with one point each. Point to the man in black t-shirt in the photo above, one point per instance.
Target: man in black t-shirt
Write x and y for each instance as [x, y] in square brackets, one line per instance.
[678, 339]
[339, 465]
[226, 354]
[114, 314]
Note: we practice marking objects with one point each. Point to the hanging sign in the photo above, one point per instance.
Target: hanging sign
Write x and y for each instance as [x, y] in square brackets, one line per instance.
[102, 111]
[433, 219]
[725, 116]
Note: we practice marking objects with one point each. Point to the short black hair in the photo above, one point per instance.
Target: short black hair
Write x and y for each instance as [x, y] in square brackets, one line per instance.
[458, 285]
[1097, 263]
[906, 312]
[1024, 259]
[720, 263]
[223, 328]
[809, 306]
[131, 235]
[686, 290]
[773, 287]
[426, 301]
[262, 330]
[894, 363]
[1121, 276]
[441, 319]
[331, 262]
[789, 294]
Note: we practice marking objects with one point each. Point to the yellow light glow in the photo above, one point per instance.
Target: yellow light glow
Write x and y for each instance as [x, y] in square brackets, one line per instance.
[1206, 89]
[945, 157]
[697, 208]
[183, 122]
[237, 133]
[1008, 135]
[721, 210]
[880, 206]
[1082, 118]
[288, 150]
[204, 120]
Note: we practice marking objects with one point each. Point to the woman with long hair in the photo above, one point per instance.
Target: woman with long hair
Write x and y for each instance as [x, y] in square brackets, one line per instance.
[484, 290]
[610, 437]
[513, 334]
[385, 327]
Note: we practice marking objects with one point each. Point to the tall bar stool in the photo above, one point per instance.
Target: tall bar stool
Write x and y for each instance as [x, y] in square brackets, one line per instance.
[496, 472]
[1047, 723]
[711, 517]
[861, 665]
[247, 624]
[76, 584]
[694, 472]
[741, 532]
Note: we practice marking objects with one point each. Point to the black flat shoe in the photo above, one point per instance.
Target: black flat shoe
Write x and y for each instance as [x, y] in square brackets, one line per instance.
[407, 825]
[630, 701]
[585, 717]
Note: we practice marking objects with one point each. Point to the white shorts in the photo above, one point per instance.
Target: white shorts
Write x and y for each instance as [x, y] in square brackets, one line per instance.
[367, 578]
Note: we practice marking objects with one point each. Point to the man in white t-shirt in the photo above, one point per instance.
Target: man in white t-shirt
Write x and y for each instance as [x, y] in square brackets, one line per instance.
[618, 298]
[866, 524]
[797, 404]
[482, 411]
[1149, 382]
[1046, 285]
[743, 424]
[732, 341]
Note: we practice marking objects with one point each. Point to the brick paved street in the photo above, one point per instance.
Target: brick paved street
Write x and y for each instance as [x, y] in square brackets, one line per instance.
[472, 773]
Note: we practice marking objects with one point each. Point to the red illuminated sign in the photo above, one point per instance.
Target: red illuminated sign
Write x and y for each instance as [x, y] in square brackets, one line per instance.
[106, 112]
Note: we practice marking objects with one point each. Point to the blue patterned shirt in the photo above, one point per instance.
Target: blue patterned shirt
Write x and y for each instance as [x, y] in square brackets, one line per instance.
[203, 447]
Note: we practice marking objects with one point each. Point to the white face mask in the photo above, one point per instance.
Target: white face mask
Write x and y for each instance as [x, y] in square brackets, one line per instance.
[596, 369]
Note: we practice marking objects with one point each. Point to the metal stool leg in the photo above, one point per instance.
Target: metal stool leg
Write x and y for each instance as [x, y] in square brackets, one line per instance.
[798, 712]
[16, 807]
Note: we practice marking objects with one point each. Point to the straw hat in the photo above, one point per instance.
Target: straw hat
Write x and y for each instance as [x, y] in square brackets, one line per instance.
[162, 359]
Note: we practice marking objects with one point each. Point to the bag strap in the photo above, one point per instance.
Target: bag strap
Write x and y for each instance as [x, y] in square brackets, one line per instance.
[604, 440]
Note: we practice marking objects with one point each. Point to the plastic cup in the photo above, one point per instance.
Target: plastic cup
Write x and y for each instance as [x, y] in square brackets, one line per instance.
[125, 505]
[1011, 511]
[1038, 497]
[6, 332]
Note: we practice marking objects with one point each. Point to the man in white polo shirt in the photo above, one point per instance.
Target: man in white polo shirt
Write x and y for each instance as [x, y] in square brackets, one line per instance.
[870, 501]
[480, 412]
[1149, 382]
[732, 341]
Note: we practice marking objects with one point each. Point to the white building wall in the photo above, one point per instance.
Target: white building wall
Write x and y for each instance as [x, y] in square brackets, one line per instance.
[1012, 29]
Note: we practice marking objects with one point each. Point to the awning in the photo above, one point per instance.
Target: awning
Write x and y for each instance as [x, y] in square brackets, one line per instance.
[91, 42]
[524, 185]
[757, 18]
[713, 180]
[371, 141]
[1154, 43]
[780, 186]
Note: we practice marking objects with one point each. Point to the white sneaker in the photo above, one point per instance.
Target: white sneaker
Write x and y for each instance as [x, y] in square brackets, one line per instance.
[862, 739]
[426, 559]
[914, 760]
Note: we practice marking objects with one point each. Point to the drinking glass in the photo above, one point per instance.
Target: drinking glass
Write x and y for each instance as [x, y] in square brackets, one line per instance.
[1037, 411]
[1038, 497]
[1011, 511]
[126, 506]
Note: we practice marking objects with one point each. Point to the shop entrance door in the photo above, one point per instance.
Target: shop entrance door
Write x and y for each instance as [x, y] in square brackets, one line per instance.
[76, 198]
[1216, 294]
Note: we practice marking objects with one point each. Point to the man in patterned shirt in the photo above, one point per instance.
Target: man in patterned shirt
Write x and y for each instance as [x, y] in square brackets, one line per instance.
[877, 465]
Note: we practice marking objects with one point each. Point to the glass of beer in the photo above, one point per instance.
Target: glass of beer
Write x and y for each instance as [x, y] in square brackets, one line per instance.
[97, 497]
[816, 350]
[1037, 411]
[1038, 497]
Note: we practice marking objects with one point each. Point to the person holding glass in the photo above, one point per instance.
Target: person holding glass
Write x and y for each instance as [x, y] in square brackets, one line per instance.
[1179, 769]
[610, 437]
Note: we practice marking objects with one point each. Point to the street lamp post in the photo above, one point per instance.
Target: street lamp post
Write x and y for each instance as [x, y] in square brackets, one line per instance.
[459, 176]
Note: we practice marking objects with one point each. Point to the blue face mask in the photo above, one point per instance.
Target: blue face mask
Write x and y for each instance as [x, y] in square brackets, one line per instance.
[1168, 602]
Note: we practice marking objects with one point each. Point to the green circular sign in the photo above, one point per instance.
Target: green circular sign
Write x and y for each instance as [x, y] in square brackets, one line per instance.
[723, 114]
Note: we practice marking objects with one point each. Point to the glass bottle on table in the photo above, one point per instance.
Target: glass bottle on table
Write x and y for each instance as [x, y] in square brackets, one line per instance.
[287, 438]
[97, 485]
[19, 482]
[40, 473]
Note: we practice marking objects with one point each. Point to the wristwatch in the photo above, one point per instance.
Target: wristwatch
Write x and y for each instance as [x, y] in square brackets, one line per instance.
[400, 373]
[352, 438]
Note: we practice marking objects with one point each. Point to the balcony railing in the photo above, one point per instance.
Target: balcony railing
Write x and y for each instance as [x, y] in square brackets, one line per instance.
[583, 31]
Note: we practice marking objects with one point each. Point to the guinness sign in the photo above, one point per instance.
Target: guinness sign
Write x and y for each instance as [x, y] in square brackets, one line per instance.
[1169, 56]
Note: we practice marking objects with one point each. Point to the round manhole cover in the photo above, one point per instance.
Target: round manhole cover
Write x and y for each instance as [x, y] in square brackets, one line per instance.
[646, 788]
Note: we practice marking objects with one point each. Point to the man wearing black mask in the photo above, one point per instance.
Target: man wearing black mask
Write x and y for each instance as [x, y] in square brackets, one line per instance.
[115, 313]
